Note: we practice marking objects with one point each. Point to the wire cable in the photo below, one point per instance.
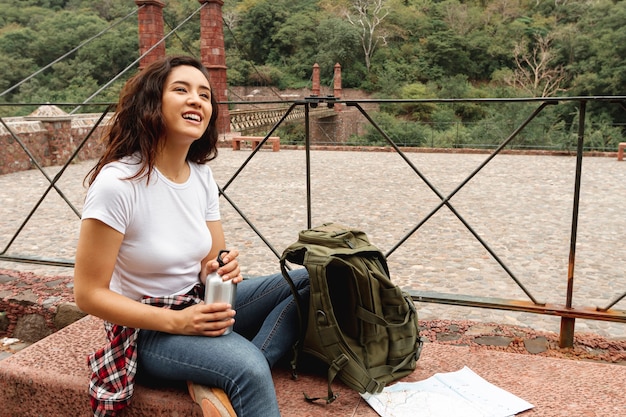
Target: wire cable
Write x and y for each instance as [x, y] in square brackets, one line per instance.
[182, 42]
[68, 53]
[112, 80]
[261, 76]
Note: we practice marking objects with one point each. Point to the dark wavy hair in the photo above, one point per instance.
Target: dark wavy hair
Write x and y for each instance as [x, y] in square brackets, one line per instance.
[137, 125]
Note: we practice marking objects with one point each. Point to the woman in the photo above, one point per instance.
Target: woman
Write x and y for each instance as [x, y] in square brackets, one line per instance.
[150, 235]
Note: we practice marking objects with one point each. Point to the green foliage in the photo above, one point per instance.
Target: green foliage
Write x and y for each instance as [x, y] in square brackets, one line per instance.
[17, 42]
[260, 21]
[238, 70]
[14, 70]
[402, 133]
[597, 49]
[604, 135]
[292, 133]
[267, 75]
[110, 54]
[338, 43]
[75, 27]
[459, 87]
[109, 10]
[37, 37]
[186, 40]
[444, 49]
[415, 110]
[21, 15]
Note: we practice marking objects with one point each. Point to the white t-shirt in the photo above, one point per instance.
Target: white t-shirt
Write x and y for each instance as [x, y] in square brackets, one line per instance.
[164, 226]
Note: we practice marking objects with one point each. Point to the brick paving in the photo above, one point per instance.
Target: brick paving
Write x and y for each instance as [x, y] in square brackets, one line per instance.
[521, 205]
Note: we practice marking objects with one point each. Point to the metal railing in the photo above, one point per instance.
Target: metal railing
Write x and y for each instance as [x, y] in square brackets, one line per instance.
[567, 312]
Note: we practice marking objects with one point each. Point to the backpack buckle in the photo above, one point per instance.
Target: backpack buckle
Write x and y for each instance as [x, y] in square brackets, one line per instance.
[320, 318]
[340, 362]
[374, 387]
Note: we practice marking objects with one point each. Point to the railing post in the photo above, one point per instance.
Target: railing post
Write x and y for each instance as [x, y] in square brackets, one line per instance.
[566, 335]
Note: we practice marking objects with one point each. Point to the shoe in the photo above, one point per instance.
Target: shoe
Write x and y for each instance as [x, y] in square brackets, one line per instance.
[213, 401]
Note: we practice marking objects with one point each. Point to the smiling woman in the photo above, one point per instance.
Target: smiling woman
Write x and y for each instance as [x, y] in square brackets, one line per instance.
[187, 109]
[140, 116]
[150, 235]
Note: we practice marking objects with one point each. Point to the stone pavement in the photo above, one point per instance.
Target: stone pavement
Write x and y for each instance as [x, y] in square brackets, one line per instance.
[521, 205]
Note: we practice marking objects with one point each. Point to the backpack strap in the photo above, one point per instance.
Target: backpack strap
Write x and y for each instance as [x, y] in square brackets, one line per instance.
[297, 346]
[373, 318]
[343, 361]
[336, 366]
[332, 339]
[384, 370]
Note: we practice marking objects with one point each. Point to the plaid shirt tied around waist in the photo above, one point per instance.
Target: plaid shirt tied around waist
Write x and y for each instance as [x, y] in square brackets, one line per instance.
[115, 365]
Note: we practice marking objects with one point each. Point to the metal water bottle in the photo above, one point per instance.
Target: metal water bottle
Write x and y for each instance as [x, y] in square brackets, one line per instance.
[218, 291]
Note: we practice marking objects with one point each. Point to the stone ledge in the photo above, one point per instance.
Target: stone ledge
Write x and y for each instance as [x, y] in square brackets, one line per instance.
[50, 377]
[33, 307]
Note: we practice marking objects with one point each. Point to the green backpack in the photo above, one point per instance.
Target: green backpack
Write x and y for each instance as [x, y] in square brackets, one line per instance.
[359, 323]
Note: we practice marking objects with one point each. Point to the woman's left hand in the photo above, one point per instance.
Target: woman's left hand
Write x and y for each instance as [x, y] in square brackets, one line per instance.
[230, 270]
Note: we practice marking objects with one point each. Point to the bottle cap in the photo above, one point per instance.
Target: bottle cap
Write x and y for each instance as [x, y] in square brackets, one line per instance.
[219, 256]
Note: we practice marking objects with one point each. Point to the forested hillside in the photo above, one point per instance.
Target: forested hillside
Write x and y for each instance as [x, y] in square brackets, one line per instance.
[390, 48]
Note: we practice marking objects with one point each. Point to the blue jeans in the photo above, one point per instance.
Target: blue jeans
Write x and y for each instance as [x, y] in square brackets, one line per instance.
[266, 326]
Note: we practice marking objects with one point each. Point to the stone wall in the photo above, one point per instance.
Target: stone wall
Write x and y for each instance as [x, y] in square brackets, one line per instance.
[50, 135]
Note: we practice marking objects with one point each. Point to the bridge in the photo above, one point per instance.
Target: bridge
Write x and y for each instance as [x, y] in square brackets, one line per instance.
[260, 119]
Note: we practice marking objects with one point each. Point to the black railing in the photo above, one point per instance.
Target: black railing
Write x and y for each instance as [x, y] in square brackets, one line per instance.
[566, 311]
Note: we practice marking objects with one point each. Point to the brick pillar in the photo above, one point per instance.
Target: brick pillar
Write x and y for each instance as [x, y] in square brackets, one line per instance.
[150, 19]
[337, 85]
[58, 126]
[213, 56]
[60, 140]
[315, 90]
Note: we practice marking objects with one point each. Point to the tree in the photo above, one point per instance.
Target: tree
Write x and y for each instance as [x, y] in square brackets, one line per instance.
[535, 73]
[60, 32]
[296, 43]
[256, 28]
[597, 50]
[367, 15]
[111, 53]
[448, 54]
[338, 43]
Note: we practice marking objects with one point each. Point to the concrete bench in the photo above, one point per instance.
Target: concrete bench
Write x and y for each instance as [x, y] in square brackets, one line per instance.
[254, 141]
[50, 378]
[620, 151]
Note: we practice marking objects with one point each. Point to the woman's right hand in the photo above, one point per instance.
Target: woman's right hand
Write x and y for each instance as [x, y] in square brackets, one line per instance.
[205, 319]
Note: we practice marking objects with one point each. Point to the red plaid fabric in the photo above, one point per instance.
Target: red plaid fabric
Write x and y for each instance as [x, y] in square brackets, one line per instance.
[115, 365]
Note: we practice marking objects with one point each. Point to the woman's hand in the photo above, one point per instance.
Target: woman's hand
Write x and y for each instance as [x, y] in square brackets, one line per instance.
[205, 319]
[230, 270]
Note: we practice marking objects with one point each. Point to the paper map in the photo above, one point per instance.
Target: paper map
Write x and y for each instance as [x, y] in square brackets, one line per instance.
[462, 393]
